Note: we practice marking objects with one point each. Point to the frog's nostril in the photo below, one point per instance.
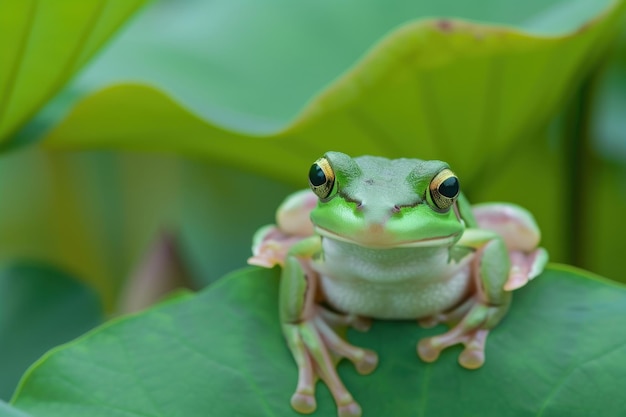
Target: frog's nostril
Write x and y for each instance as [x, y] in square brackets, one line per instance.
[395, 209]
[376, 229]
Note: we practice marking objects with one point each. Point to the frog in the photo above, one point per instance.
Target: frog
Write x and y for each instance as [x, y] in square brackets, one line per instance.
[374, 238]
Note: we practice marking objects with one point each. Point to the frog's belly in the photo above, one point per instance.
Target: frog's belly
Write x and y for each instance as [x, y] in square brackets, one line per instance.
[421, 285]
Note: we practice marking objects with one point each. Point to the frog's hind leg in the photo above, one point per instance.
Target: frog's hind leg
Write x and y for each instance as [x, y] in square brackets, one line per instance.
[312, 337]
[521, 235]
[313, 344]
[364, 361]
[303, 400]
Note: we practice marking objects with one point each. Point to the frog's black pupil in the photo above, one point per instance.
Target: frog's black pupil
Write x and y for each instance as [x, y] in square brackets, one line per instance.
[449, 188]
[316, 175]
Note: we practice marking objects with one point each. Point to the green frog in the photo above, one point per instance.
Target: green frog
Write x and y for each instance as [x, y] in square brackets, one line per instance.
[378, 238]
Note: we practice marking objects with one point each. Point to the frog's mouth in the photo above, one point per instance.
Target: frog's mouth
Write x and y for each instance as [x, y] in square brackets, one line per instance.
[381, 240]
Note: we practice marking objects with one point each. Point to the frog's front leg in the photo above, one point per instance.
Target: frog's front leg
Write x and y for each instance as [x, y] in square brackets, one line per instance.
[485, 307]
[310, 332]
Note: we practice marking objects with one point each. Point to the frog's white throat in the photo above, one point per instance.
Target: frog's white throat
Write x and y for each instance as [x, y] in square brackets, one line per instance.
[394, 283]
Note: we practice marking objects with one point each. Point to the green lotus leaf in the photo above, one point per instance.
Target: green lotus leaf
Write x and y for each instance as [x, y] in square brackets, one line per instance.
[44, 43]
[8, 411]
[450, 89]
[534, 177]
[221, 352]
[609, 127]
[82, 212]
[40, 308]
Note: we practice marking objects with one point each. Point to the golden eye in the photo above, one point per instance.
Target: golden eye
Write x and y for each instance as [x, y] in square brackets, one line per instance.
[321, 178]
[444, 189]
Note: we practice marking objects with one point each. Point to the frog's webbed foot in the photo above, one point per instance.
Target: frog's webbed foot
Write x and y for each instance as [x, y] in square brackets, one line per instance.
[524, 267]
[270, 246]
[271, 243]
[450, 317]
[471, 331]
[316, 347]
[336, 320]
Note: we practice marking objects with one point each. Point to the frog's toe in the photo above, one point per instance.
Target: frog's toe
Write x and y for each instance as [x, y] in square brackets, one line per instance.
[364, 360]
[270, 246]
[368, 363]
[524, 267]
[360, 323]
[450, 317]
[303, 400]
[429, 348]
[303, 403]
[427, 351]
[349, 410]
[428, 322]
[471, 332]
[472, 359]
[473, 356]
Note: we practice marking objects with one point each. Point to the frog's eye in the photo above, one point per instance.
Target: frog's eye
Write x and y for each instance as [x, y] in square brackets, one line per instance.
[444, 189]
[321, 178]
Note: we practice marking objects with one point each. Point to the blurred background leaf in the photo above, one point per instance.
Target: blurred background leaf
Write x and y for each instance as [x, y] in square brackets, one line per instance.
[40, 307]
[235, 55]
[449, 89]
[43, 44]
[7, 411]
[98, 213]
[604, 151]
[480, 97]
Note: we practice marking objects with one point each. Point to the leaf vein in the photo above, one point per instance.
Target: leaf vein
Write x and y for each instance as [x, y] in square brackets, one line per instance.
[5, 99]
[246, 376]
[569, 373]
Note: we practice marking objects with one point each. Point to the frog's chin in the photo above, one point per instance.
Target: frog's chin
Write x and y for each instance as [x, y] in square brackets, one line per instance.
[381, 242]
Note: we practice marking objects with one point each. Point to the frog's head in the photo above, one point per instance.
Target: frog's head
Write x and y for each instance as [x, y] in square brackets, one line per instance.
[381, 203]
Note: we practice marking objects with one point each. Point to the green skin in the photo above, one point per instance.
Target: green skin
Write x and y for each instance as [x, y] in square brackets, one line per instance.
[382, 249]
